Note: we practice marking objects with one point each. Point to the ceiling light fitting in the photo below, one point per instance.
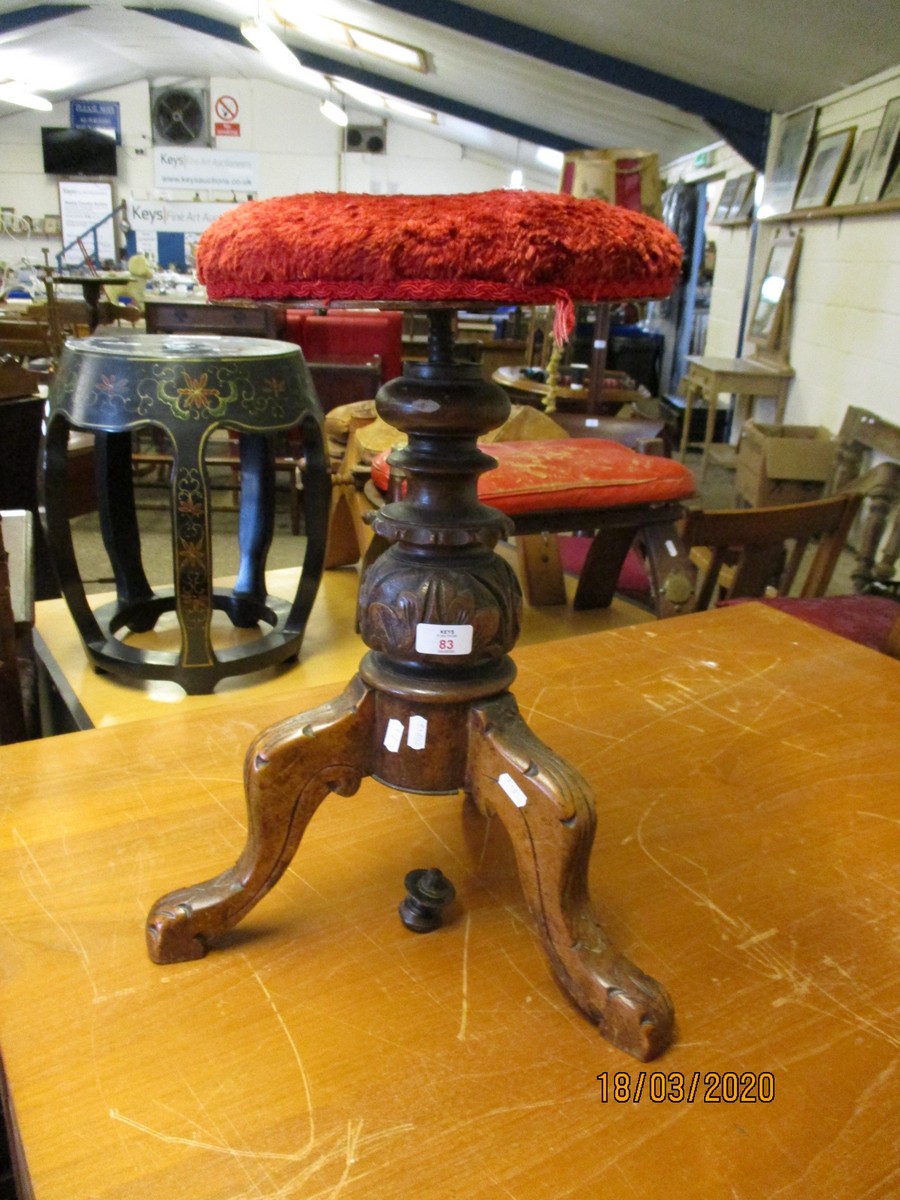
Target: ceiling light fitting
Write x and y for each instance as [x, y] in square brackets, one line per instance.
[338, 33]
[16, 93]
[276, 52]
[333, 112]
[379, 101]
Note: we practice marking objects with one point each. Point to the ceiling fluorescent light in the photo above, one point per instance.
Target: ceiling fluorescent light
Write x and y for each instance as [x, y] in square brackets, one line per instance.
[365, 95]
[299, 15]
[15, 93]
[271, 47]
[405, 109]
[333, 112]
[320, 29]
[382, 47]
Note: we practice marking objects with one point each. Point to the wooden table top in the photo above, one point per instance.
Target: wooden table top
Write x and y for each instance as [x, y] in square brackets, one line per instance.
[739, 366]
[748, 796]
[330, 652]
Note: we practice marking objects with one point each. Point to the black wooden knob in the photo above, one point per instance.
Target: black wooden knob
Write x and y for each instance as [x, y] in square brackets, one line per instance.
[428, 892]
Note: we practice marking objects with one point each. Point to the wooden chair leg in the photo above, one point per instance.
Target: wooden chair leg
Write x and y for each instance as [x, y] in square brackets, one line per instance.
[540, 569]
[673, 577]
[601, 569]
[348, 534]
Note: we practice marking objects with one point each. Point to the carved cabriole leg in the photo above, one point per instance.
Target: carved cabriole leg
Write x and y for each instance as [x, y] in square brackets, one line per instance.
[548, 810]
[288, 772]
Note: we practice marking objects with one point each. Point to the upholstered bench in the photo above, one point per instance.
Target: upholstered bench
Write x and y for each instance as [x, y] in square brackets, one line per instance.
[578, 484]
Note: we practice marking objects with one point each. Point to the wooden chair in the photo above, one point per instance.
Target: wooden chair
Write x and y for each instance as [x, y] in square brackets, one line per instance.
[754, 551]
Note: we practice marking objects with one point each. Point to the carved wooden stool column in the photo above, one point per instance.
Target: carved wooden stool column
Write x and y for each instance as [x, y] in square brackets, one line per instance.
[430, 711]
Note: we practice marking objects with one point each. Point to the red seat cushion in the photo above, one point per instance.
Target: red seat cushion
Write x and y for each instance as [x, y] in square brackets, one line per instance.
[571, 473]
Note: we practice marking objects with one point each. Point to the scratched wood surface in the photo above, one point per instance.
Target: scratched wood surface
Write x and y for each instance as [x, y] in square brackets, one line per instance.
[748, 795]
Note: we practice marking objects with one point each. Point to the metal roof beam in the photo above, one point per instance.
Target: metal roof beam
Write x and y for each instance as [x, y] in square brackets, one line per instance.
[745, 127]
[403, 91]
[21, 18]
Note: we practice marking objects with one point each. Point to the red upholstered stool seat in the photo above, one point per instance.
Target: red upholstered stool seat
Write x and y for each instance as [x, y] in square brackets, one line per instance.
[583, 484]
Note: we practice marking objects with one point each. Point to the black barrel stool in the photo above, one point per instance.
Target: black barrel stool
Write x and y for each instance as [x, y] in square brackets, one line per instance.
[188, 387]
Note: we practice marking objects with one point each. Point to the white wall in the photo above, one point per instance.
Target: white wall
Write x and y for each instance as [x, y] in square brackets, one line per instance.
[298, 149]
[845, 346]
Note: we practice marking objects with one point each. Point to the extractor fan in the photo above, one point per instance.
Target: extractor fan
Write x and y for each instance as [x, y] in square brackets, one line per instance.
[179, 116]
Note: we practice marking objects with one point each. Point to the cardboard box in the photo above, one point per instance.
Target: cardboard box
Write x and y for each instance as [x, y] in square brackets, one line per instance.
[783, 464]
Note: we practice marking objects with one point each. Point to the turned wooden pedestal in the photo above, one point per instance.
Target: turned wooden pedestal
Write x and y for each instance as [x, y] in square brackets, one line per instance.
[430, 711]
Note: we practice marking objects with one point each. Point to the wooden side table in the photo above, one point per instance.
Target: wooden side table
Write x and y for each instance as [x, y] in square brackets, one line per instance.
[746, 378]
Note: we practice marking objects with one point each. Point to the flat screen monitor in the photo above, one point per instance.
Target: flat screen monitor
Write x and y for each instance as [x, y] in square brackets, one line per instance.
[78, 152]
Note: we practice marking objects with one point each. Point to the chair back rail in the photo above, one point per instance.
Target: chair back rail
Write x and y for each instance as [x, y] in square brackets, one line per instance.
[765, 547]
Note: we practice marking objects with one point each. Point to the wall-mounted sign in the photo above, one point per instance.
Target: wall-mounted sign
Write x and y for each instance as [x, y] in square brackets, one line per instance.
[83, 205]
[163, 216]
[226, 109]
[104, 115]
[206, 170]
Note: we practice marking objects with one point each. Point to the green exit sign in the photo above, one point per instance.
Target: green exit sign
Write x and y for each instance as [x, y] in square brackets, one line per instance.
[703, 158]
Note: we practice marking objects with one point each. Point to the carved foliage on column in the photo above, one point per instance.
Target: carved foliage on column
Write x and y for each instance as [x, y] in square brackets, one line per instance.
[398, 595]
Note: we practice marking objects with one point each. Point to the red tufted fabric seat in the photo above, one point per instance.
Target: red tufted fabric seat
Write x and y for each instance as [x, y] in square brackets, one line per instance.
[503, 246]
[510, 247]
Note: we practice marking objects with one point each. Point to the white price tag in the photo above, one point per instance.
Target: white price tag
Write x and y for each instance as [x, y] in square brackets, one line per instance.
[513, 790]
[418, 732]
[444, 639]
[393, 735]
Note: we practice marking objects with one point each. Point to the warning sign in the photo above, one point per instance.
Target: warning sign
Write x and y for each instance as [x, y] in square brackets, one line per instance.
[227, 129]
[226, 108]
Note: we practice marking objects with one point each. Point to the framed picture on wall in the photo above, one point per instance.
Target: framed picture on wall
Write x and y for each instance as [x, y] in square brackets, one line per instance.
[740, 209]
[881, 160]
[827, 161]
[788, 160]
[775, 289]
[726, 199]
[848, 188]
[892, 190]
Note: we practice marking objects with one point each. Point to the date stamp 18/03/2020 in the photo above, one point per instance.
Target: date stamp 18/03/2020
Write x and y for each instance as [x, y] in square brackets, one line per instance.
[703, 1087]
